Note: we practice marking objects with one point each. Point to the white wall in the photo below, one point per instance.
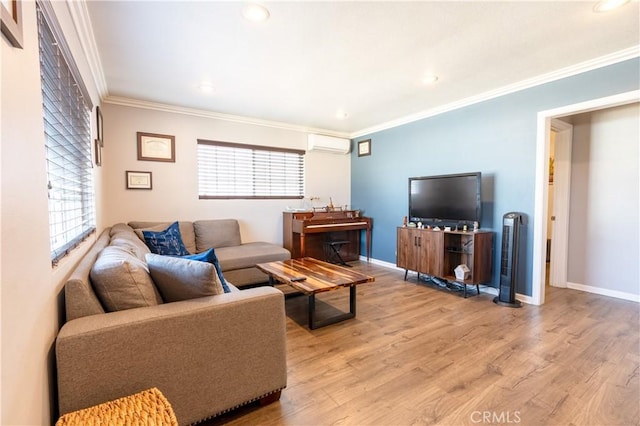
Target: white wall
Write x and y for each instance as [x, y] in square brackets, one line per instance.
[605, 186]
[175, 185]
[30, 288]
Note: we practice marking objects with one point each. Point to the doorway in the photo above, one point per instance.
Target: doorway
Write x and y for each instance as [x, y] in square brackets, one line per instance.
[543, 142]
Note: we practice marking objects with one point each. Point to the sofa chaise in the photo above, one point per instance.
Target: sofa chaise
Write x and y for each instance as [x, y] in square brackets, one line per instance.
[238, 260]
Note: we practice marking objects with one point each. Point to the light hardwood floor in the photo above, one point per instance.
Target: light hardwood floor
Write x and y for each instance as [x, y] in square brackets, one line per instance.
[415, 355]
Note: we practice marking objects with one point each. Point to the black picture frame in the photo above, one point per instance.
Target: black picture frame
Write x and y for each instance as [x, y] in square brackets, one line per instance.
[139, 180]
[364, 148]
[98, 152]
[100, 126]
[11, 22]
[156, 147]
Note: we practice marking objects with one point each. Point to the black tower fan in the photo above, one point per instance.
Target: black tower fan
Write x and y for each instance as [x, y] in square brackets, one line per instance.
[512, 232]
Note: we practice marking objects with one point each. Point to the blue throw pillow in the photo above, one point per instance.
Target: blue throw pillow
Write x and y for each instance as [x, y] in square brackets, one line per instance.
[210, 256]
[168, 242]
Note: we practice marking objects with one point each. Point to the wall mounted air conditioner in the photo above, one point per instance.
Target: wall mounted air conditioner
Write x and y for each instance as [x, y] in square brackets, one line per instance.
[330, 144]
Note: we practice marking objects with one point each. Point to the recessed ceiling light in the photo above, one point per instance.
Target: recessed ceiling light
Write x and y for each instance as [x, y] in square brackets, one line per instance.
[607, 5]
[255, 12]
[429, 79]
[341, 114]
[206, 88]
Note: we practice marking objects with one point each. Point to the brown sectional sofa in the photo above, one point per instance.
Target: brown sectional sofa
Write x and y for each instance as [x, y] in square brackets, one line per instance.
[207, 355]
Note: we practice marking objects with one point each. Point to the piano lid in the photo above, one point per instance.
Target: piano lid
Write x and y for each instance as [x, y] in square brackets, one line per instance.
[331, 214]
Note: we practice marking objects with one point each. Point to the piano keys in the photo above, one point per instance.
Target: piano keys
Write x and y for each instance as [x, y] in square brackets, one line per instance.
[306, 233]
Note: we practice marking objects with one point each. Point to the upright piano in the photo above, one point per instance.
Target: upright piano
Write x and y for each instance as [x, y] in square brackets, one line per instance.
[308, 233]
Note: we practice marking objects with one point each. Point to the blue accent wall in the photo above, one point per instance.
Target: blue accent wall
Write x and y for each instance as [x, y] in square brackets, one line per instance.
[496, 137]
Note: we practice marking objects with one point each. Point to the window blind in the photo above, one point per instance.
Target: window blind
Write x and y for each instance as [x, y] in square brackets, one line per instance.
[229, 170]
[67, 129]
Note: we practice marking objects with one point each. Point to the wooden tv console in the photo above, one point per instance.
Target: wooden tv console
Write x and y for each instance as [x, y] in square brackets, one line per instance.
[438, 253]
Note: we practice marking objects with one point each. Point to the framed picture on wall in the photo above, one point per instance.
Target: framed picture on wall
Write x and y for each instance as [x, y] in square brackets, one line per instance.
[364, 148]
[98, 151]
[100, 126]
[11, 15]
[156, 147]
[138, 180]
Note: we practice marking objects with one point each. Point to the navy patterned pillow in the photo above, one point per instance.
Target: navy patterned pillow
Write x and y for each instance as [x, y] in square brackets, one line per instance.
[210, 256]
[168, 242]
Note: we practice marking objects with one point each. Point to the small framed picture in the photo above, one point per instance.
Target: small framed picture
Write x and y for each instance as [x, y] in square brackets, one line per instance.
[11, 17]
[155, 147]
[364, 148]
[98, 149]
[100, 126]
[138, 180]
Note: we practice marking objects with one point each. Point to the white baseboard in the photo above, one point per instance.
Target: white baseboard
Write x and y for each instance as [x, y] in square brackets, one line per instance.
[525, 299]
[528, 299]
[489, 290]
[605, 292]
[381, 263]
[483, 288]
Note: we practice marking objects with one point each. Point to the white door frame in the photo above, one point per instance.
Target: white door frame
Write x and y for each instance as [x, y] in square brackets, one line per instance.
[542, 176]
[561, 201]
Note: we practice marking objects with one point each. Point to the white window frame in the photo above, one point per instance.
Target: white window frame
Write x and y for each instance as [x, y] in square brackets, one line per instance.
[230, 171]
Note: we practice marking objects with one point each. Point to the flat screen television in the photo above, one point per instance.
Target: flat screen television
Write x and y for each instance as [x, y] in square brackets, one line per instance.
[447, 199]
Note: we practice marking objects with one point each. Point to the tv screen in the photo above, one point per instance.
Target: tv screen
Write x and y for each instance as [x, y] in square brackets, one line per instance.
[451, 199]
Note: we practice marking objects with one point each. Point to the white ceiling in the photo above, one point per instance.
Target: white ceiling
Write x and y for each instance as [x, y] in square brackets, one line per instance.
[368, 58]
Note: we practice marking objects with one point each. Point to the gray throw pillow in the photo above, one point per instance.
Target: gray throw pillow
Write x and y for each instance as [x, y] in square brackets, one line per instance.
[122, 281]
[180, 279]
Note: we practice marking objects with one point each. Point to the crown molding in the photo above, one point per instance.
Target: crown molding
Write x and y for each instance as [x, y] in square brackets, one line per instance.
[136, 103]
[613, 58]
[82, 22]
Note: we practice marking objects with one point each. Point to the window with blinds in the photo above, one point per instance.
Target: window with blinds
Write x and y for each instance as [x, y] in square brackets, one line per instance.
[66, 111]
[229, 170]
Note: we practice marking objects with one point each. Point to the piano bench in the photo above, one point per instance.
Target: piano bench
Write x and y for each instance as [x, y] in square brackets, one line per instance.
[332, 252]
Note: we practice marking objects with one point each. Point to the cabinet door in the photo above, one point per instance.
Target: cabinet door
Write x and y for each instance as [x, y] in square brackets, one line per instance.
[483, 258]
[406, 249]
[431, 253]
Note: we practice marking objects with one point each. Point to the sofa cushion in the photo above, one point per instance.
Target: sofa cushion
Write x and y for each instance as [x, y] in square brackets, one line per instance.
[123, 236]
[181, 279]
[138, 249]
[122, 281]
[186, 231]
[232, 288]
[167, 242]
[210, 256]
[216, 233]
[249, 254]
[246, 277]
[120, 229]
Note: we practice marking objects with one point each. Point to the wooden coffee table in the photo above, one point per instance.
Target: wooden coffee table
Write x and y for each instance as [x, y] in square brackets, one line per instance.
[312, 276]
